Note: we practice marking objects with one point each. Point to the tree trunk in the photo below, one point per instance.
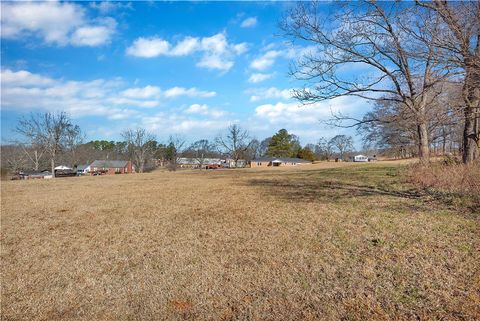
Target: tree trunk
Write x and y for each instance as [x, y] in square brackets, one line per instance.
[471, 96]
[423, 149]
[444, 143]
[52, 160]
[36, 161]
[470, 137]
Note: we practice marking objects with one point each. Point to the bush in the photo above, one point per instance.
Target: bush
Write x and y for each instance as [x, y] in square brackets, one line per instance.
[448, 177]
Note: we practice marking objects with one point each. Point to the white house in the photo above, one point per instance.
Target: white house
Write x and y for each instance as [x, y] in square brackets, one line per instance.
[83, 169]
[360, 158]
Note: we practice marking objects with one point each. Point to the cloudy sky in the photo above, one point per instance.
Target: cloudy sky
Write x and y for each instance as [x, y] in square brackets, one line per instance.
[189, 69]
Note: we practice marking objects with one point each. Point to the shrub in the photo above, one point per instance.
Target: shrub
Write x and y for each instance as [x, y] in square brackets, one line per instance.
[448, 177]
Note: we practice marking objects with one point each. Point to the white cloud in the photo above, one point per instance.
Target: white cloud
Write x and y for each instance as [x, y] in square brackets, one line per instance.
[283, 114]
[240, 48]
[133, 102]
[218, 54]
[24, 91]
[266, 60]
[24, 78]
[190, 92]
[91, 36]
[196, 108]
[142, 93]
[269, 93]
[216, 51]
[55, 22]
[259, 77]
[185, 47]
[167, 123]
[270, 55]
[105, 7]
[249, 22]
[205, 110]
[148, 47]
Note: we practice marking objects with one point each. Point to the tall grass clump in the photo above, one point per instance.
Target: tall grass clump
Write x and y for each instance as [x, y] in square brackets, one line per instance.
[448, 178]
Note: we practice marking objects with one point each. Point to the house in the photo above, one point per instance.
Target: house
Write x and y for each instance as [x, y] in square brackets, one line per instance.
[83, 169]
[34, 175]
[360, 158]
[63, 168]
[278, 161]
[64, 171]
[188, 162]
[230, 163]
[111, 167]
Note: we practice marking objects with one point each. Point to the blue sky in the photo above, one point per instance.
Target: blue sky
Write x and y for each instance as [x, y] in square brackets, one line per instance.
[181, 68]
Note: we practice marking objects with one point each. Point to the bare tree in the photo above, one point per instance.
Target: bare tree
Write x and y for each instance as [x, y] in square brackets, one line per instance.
[253, 150]
[13, 158]
[34, 153]
[377, 37]
[141, 146]
[458, 46]
[395, 132]
[52, 131]
[263, 147]
[74, 139]
[322, 149]
[202, 149]
[175, 149]
[234, 143]
[342, 143]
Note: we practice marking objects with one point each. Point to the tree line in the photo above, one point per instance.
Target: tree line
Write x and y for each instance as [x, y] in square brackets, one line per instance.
[49, 139]
[419, 63]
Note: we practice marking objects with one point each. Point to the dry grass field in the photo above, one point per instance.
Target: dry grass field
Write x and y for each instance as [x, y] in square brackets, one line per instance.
[321, 242]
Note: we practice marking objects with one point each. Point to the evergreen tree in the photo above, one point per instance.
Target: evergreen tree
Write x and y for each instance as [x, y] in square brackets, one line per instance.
[283, 144]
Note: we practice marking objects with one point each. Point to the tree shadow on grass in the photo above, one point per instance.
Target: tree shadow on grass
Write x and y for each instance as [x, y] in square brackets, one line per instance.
[303, 190]
[378, 186]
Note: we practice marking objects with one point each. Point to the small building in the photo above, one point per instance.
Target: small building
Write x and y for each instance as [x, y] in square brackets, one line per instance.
[111, 167]
[83, 169]
[34, 175]
[360, 158]
[278, 161]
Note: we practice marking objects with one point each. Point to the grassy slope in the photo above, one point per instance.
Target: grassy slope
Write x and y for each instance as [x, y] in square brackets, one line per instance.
[303, 243]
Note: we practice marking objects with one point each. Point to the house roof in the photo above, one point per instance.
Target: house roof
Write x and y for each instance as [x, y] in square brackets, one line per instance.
[281, 159]
[63, 167]
[196, 161]
[36, 173]
[82, 167]
[109, 163]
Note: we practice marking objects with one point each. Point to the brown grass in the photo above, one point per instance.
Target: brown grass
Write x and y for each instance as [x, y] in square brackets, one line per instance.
[458, 181]
[312, 243]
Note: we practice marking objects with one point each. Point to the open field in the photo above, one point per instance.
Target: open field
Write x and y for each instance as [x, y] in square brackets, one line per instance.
[348, 242]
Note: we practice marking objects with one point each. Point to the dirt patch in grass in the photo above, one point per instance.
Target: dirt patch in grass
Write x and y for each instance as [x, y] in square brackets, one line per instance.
[350, 242]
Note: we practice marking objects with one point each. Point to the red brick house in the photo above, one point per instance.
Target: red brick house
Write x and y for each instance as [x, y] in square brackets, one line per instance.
[111, 167]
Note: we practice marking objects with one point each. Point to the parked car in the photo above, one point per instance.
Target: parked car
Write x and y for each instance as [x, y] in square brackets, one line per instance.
[213, 166]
